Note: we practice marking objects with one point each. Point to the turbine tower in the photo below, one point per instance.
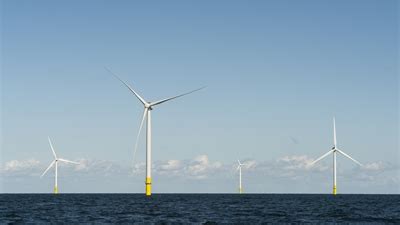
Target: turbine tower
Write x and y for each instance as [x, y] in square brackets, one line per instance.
[55, 161]
[335, 150]
[240, 177]
[148, 106]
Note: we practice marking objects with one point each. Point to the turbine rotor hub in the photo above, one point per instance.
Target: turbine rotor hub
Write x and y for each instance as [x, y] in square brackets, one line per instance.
[148, 106]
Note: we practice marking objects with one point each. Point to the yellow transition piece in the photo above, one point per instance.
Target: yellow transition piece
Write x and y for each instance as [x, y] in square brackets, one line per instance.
[148, 186]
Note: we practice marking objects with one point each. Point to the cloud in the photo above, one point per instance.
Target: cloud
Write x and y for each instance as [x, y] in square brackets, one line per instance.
[198, 168]
[249, 164]
[201, 167]
[15, 165]
[379, 172]
[33, 167]
[291, 167]
[295, 162]
[20, 167]
[99, 167]
[171, 167]
[378, 166]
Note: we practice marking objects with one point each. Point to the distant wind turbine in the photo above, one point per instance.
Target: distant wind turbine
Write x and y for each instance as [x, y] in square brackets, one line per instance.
[240, 176]
[148, 106]
[55, 161]
[334, 150]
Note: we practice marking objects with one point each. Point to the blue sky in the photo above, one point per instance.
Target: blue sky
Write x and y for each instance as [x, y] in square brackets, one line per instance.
[276, 73]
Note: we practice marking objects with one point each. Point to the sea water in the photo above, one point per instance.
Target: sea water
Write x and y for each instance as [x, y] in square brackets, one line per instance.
[199, 208]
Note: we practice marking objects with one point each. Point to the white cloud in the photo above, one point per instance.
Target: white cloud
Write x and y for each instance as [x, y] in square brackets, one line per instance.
[201, 167]
[198, 168]
[172, 164]
[249, 164]
[16, 165]
[20, 167]
[377, 166]
[171, 167]
[33, 167]
[295, 162]
[105, 167]
[291, 167]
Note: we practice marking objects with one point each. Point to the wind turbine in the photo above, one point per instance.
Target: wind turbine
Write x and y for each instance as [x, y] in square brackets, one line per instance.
[334, 150]
[148, 106]
[240, 176]
[55, 161]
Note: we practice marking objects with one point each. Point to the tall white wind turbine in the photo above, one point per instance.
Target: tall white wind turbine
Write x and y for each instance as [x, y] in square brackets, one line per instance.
[55, 162]
[335, 150]
[240, 176]
[148, 106]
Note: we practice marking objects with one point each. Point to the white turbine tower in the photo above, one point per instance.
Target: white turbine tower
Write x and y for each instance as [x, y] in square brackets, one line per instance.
[240, 176]
[334, 150]
[148, 106]
[55, 161]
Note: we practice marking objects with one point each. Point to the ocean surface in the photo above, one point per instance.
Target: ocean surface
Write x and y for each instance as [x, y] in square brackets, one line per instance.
[198, 208]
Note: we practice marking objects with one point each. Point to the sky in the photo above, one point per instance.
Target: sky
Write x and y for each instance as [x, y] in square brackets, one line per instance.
[276, 72]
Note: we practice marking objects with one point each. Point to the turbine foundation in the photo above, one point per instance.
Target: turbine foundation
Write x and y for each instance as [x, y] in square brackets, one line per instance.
[148, 186]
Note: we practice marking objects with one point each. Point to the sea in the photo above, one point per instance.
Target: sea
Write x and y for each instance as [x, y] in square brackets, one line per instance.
[199, 209]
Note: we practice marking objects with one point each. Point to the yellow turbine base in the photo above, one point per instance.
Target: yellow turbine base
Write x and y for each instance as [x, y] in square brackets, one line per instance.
[148, 186]
[240, 190]
[56, 190]
[334, 190]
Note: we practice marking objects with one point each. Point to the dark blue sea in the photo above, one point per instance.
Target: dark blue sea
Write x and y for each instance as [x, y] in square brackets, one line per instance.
[198, 208]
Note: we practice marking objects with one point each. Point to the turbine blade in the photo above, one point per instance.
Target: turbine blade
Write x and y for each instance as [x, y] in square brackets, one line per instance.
[341, 152]
[138, 135]
[239, 162]
[323, 156]
[68, 161]
[129, 87]
[51, 164]
[334, 132]
[52, 149]
[167, 99]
